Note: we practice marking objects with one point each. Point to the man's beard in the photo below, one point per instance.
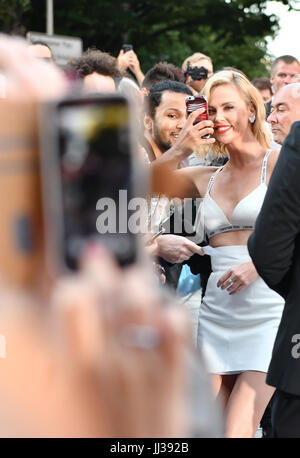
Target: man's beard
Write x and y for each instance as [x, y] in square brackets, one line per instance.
[162, 145]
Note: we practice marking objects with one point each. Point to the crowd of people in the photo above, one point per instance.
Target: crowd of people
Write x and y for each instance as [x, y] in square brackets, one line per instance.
[110, 351]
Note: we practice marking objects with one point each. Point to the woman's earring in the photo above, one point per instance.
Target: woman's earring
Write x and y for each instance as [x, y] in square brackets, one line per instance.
[252, 119]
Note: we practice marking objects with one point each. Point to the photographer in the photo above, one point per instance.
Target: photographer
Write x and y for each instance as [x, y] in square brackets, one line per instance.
[197, 69]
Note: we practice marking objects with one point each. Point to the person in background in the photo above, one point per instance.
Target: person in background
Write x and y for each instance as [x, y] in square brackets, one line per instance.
[129, 61]
[197, 68]
[265, 88]
[160, 72]
[274, 250]
[285, 70]
[98, 70]
[40, 50]
[165, 115]
[285, 110]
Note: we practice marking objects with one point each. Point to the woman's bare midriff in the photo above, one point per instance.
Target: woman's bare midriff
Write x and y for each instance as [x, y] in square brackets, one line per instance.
[230, 238]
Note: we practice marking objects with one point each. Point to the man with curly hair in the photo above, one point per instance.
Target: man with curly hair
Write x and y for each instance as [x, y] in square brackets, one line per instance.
[98, 70]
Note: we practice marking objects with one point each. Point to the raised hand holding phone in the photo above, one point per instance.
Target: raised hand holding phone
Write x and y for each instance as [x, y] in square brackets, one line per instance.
[90, 177]
[194, 103]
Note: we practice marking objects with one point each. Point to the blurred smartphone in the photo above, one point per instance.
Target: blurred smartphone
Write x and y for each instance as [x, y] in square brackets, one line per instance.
[195, 102]
[127, 47]
[89, 175]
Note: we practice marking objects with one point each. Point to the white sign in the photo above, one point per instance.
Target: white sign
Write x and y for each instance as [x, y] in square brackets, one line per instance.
[63, 48]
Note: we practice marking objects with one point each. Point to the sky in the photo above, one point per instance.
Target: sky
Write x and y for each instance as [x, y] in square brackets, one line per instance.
[288, 38]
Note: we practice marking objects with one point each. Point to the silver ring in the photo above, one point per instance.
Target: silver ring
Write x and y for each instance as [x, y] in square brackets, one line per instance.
[230, 282]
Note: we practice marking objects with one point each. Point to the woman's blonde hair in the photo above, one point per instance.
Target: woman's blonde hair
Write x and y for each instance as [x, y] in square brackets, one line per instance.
[251, 95]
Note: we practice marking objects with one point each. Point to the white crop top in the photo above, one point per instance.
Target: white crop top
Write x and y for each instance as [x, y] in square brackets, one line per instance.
[244, 214]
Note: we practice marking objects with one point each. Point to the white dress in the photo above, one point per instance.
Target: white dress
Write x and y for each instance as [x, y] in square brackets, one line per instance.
[237, 332]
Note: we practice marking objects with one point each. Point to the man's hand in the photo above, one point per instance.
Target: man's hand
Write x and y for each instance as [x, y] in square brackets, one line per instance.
[134, 65]
[130, 60]
[123, 61]
[151, 246]
[176, 249]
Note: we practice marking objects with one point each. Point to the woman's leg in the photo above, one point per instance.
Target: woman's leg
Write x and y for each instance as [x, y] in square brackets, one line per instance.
[222, 386]
[246, 405]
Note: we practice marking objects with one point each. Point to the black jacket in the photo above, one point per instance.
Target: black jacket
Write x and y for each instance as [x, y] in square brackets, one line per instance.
[198, 264]
[268, 106]
[275, 249]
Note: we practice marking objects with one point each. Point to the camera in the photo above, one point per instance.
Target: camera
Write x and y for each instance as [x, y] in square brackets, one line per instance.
[196, 73]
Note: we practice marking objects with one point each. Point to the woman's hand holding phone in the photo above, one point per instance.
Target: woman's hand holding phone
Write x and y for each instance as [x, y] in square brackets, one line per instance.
[192, 135]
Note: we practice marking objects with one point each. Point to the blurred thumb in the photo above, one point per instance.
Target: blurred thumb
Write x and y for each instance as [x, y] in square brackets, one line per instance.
[199, 250]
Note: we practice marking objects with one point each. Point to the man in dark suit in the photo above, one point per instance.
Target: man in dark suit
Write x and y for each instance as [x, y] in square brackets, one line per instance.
[275, 250]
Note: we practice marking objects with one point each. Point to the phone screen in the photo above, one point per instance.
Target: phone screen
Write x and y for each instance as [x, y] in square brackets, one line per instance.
[95, 164]
[195, 102]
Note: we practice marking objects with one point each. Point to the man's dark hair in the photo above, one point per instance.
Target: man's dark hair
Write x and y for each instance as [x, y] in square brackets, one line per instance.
[287, 59]
[96, 61]
[160, 72]
[262, 83]
[42, 43]
[153, 99]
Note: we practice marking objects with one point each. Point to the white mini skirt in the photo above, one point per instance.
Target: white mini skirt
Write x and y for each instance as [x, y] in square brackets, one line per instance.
[236, 333]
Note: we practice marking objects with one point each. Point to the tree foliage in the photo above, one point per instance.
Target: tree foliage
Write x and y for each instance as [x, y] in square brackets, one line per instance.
[11, 15]
[232, 32]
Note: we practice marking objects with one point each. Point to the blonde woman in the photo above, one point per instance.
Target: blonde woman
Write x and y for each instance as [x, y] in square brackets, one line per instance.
[239, 315]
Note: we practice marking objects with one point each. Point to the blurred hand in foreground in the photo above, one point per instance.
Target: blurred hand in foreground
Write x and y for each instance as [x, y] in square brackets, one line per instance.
[107, 359]
[25, 77]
